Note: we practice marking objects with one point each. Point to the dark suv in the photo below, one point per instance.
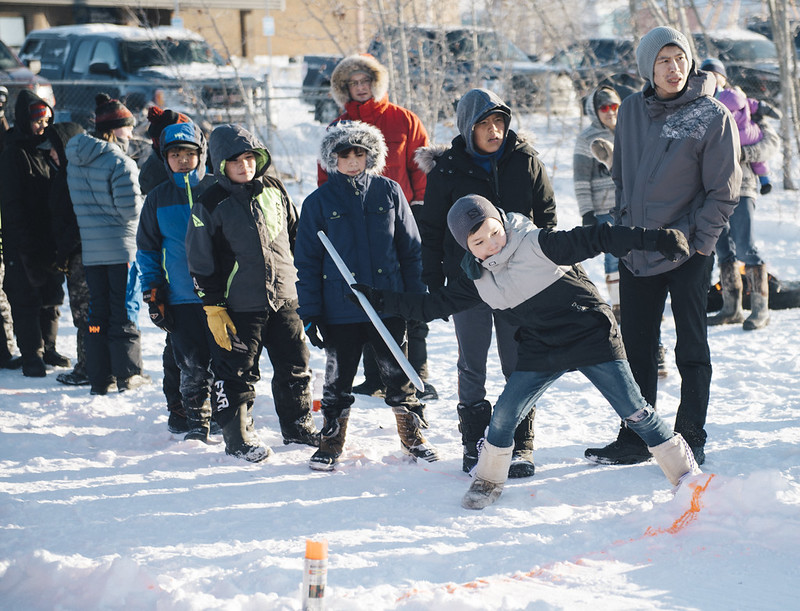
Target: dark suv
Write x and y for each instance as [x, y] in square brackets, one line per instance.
[750, 59]
[14, 75]
[595, 61]
[171, 67]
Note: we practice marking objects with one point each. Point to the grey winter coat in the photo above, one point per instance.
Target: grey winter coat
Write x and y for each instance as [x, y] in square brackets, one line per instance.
[241, 236]
[536, 283]
[104, 187]
[676, 165]
[594, 188]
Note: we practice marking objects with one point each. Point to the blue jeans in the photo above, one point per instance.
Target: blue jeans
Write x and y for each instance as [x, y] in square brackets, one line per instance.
[736, 240]
[612, 378]
[610, 262]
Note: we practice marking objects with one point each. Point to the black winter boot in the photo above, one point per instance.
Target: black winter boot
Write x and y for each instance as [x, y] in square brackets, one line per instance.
[33, 366]
[198, 418]
[177, 422]
[472, 423]
[522, 456]
[302, 431]
[78, 375]
[52, 357]
[331, 443]
[410, 422]
[239, 441]
[627, 449]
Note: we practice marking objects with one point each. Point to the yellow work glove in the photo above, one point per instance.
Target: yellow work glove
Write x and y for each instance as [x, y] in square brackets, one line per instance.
[220, 323]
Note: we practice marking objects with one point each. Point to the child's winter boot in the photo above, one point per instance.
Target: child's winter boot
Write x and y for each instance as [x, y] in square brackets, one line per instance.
[758, 279]
[490, 477]
[522, 457]
[331, 439]
[410, 421]
[198, 418]
[731, 282]
[239, 441]
[472, 422]
[675, 458]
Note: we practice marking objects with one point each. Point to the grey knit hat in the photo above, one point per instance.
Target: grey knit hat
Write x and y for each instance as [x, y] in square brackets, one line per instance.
[466, 213]
[652, 42]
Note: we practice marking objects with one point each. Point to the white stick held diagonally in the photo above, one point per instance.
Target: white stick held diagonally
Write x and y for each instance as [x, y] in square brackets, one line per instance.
[373, 315]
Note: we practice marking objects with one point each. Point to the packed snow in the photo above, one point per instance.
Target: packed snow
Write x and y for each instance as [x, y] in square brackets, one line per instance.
[102, 508]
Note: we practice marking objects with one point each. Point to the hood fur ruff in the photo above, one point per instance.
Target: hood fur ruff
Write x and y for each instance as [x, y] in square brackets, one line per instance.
[354, 133]
[358, 63]
[426, 156]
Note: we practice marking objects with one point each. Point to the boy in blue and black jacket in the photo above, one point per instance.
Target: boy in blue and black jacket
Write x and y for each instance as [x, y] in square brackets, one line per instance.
[167, 285]
[239, 244]
[368, 220]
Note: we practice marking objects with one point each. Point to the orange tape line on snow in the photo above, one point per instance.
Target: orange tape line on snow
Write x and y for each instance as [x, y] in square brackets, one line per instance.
[679, 524]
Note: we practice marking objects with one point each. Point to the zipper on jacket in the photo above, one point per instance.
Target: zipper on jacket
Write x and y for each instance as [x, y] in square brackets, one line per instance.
[657, 166]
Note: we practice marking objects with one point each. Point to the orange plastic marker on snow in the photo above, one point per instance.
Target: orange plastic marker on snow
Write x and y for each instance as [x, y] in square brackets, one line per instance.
[315, 575]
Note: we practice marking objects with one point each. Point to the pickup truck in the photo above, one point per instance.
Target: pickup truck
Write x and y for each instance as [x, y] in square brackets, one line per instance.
[14, 76]
[167, 66]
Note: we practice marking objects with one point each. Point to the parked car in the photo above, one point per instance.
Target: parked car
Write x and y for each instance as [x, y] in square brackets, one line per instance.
[171, 67]
[14, 76]
[600, 61]
[751, 60]
[450, 60]
[442, 62]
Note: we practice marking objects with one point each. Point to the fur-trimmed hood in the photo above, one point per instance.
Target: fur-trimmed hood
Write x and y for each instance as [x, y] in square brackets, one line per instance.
[427, 156]
[353, 133]
[358, 63]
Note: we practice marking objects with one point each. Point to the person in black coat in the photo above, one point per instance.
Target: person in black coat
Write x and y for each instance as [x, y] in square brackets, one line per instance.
[32, 282]
[490, 159]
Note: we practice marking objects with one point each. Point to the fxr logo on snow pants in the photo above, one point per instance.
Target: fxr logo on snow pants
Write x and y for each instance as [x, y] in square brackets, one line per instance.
[221, 399]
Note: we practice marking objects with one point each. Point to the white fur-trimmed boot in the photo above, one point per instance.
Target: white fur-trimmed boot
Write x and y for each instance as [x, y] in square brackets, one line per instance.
[490, 476]
[675, 458]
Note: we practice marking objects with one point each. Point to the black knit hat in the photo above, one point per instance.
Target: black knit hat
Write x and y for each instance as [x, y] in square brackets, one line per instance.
[159, 118]
[110, 114]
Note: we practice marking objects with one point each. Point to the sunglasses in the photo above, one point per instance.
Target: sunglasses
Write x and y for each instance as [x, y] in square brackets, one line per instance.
[366, 81]
[608, 107]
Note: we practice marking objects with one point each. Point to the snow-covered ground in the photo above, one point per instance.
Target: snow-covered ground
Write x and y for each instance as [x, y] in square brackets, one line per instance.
[101, 508]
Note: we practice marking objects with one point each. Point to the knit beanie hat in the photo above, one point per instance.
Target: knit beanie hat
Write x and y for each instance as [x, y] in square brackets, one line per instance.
[37, 111]
[652, 42]
[160, 118]
[466, 213]
[110, 114]
[712, 64]
[605, 95]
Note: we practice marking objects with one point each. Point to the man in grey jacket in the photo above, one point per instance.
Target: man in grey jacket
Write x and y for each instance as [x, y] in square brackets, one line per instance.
[676, 164]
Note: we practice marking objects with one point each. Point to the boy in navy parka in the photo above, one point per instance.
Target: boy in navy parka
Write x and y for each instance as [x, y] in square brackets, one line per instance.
[161, 256]
[239, 243]
[368, 220]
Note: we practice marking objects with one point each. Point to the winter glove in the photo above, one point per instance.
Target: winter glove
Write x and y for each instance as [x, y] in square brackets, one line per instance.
[768, 110]
[315, 332]
[589, 219]
[374, 296]
[221, 325]
[669, 242]
[603, 151]
[156, 300]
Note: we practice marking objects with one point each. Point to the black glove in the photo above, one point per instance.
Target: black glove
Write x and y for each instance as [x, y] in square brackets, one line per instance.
[669, 242]
[589, 219]
[768, 110]
[315, 332]
[156, 300]
[374, 296]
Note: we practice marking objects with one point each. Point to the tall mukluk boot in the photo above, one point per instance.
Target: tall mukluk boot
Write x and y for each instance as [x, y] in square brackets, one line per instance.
[331, 439]
[472, 422]
[490, 477]
[731, 282]
[675, 458]
[198, 418]
[239, 441]
[410, 421]
[759, 297]
[612, 282]
[522, 457]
